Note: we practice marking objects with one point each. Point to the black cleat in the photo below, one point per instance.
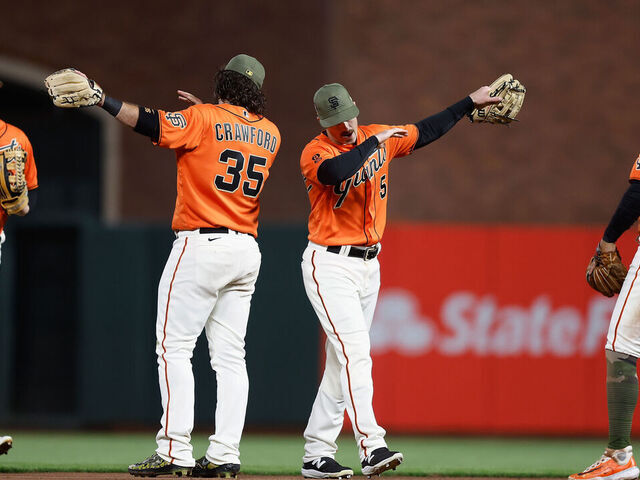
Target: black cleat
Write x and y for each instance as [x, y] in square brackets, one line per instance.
[204, 468]
[155, 465]
[381, 460]
[325, 467]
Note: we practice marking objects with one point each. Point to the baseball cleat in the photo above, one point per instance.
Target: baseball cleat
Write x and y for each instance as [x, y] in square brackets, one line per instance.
[613, 465]
[325, 467]
[155, 465]
[5, 444]
[381, 460]
[205, 468]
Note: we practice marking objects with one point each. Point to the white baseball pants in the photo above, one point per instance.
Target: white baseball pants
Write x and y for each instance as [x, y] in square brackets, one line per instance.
[207, 284]
[624, 329]
[2, 238]
[343, 292]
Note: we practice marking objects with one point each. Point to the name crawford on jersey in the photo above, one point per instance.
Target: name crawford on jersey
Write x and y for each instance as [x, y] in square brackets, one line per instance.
[233, 132]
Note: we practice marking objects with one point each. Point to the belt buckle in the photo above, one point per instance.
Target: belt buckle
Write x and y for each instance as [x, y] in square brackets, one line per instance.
[370, 252]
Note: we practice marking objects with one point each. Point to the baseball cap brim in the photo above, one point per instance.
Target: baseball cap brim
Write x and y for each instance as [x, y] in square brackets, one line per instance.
[342, 116]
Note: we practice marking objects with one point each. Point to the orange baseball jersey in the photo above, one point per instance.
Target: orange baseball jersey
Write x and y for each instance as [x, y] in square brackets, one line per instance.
[223, 154]
[11, 136]
[354, 212]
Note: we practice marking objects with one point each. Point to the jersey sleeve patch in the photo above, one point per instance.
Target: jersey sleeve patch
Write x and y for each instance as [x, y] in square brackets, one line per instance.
[635, 170]
[176, 119]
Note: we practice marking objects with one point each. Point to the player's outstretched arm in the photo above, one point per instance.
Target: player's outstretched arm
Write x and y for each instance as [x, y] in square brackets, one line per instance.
[127, 113]
[435, 126]
[70, 88]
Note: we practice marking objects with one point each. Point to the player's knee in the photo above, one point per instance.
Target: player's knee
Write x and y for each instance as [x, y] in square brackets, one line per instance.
[621, 367]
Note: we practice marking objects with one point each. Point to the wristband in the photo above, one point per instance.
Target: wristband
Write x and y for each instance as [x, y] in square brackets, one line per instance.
[111, 105]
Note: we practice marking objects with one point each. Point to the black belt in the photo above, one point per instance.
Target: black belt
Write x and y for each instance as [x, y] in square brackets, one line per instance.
[214, 230]
[220, 230]
[365, 253]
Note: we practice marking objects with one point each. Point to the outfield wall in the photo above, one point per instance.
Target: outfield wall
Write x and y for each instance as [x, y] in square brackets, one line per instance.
[77, 329]
[479, 328]
[491, 329]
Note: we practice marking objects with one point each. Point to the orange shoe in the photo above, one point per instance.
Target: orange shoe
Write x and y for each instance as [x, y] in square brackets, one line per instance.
[613, 465]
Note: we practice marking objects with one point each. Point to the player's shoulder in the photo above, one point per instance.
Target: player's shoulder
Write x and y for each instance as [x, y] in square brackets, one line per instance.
[319, 142]
[265, 123]
[319, 147]
[9, 133]
[9, 129]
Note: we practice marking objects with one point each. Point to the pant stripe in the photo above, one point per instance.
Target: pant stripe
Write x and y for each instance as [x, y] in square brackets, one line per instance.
[615, 334]
[166, 368]
[344, 352]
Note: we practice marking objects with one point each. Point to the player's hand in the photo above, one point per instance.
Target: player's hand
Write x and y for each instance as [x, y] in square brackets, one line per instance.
[607, 247]
[189, 98]
[392, 132]
[481, 98]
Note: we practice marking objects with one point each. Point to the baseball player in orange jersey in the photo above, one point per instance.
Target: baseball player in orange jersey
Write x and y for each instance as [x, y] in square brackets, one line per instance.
[10, 137]
[622, 349]
[346, 172]
[224, 152]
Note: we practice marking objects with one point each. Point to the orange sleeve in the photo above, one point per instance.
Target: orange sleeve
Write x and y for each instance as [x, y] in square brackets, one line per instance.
[401, 146]
[635, 170]
[181, 129]
[30, 170]
[312, 156]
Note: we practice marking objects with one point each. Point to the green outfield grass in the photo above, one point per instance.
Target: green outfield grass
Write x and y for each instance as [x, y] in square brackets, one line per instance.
[281, 454]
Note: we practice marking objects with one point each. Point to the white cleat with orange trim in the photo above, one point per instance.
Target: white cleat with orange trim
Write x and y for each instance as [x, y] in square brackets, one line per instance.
[613, 465]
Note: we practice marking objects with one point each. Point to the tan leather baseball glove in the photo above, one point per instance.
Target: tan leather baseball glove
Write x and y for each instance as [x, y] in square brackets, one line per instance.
[512, 93]
[13, 183]
[70, 88]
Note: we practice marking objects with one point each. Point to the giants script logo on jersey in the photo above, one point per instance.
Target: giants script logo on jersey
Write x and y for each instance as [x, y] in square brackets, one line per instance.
[176, 119]
[367, 172]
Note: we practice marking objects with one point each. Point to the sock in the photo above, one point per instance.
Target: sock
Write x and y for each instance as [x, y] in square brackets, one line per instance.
[622, 396]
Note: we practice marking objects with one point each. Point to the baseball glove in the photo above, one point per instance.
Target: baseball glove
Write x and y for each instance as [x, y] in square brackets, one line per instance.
[606, 272]
[512, 93]
[70, 88]
[14, 196]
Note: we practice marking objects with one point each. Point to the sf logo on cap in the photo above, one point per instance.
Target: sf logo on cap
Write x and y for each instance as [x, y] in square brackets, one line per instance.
[334, 102]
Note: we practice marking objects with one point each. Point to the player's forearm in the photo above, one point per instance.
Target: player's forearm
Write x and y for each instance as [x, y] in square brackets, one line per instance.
[337, 169]
[142, 119]
[126, 113]
[435, 126]
[627, 212]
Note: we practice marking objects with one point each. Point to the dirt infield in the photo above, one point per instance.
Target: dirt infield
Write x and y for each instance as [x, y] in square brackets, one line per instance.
[126, 476]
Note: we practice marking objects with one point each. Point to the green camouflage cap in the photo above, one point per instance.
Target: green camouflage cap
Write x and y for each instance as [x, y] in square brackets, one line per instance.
[247, 66]
[334, 105]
